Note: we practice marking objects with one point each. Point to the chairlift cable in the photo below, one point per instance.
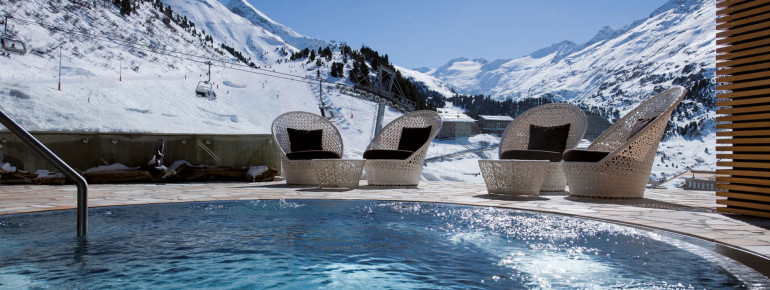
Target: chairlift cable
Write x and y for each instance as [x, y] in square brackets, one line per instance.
[180, 55]
[150, 48]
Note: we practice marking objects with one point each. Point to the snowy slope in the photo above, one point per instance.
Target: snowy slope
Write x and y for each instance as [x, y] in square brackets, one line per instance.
[259, 19]
[154, 92]
[235, 31]
[430, 82]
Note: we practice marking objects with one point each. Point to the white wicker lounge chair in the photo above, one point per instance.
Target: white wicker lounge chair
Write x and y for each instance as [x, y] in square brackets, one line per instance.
[516, 140]
[303, 126]
[388, 162]
[618, 163]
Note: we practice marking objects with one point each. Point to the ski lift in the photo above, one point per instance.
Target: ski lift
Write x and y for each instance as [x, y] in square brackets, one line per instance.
[204, 91]
[9, 44]
[14, 46]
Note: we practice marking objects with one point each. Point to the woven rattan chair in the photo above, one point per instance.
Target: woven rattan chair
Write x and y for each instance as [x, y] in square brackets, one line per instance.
[618, 163]
[301, 171]
[516, 137]
[400, 172]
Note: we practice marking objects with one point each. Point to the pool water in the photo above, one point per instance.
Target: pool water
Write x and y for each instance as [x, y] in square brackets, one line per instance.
[348, 244]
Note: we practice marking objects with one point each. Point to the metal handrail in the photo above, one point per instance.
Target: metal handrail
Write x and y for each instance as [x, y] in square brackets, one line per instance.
[61, 166]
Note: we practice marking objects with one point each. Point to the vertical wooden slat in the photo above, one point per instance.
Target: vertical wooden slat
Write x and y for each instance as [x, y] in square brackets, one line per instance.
[743, 91]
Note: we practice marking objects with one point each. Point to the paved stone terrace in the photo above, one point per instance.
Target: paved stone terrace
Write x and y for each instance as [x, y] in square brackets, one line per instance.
[688, 212]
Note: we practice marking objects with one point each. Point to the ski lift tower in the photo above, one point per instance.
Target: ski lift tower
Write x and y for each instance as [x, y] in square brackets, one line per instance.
[383, 87]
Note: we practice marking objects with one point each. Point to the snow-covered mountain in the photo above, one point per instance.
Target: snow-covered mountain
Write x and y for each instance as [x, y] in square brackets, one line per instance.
[139, 72]
[258, 42]
[615, 70]
[678, 39]
[259, 19]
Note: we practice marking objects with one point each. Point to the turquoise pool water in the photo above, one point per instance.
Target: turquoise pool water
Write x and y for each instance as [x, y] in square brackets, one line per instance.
[348, 244]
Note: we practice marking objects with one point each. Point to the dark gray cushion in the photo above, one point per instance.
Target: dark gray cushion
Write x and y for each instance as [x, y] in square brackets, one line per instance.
[548, 138]
[413, 138]
[531, 155]
[638, 126]
[313, 154]
[387, 154]
[305, 140]
[579, 155]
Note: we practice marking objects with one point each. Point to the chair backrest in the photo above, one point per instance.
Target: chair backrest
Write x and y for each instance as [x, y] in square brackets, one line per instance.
[659, 107]
[516, 135]
[331, 139]
[389, 137]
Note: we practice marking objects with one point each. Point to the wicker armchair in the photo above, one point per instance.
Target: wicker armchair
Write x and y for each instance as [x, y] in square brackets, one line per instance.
[399, 171]
[517, 137]
[300, 171]
[618, 163]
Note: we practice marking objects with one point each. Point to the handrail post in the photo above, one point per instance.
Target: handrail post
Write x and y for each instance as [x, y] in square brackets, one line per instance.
[61, 166]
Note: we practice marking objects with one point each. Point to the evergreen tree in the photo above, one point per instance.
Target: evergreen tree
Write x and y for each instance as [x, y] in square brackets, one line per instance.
[125, 7]
[337, 70]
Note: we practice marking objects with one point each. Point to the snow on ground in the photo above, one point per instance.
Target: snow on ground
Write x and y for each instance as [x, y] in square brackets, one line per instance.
[684, 154]
[462, 169]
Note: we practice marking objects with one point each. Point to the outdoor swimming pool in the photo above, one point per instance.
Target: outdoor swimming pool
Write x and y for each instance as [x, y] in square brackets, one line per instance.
[349, 244]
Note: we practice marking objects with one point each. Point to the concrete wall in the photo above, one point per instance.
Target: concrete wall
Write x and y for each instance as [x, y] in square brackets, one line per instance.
[86, 150]
[700, 184]
[455, 129]
[493, 126]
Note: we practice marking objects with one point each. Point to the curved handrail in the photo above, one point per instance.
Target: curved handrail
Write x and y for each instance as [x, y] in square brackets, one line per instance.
[61, 166]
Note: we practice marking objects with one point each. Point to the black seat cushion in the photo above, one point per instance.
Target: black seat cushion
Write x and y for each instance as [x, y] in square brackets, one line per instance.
[638, 126]
[387, 154]
[313, 154]
[580, 155]
[413, 138]
[305, 140]
[531, 155]
[548, 138]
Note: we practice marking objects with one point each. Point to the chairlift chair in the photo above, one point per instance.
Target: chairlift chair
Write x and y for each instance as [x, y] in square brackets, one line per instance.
[204, 91]
[14, 46]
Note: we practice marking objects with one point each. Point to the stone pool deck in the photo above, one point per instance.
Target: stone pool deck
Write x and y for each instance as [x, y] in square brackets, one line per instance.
[687, 212]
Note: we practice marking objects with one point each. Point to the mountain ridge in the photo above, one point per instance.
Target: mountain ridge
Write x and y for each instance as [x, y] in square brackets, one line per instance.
[256, 17]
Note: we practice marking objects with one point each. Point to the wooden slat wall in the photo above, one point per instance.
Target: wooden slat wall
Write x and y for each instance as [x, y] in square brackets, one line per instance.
[743, 98]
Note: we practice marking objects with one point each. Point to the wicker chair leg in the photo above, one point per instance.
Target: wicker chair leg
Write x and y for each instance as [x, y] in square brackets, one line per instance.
[513, 177]
[299, 172]
[602, 183]
[392, 173]
[555, 179]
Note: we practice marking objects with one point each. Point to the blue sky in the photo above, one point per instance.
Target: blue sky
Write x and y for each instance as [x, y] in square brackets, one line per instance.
[429, 33]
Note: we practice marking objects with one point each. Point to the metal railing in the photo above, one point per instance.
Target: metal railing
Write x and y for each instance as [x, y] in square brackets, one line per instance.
[61, 166]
